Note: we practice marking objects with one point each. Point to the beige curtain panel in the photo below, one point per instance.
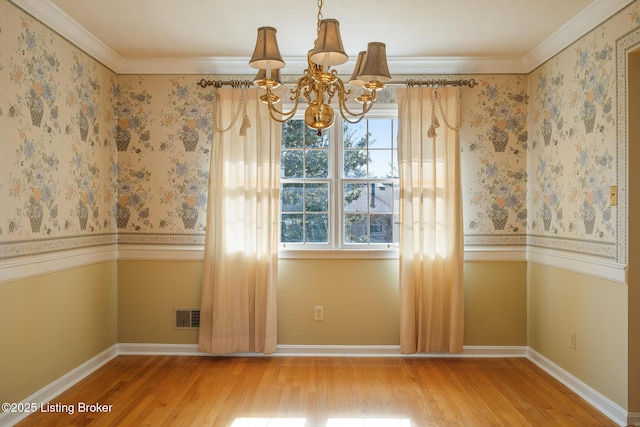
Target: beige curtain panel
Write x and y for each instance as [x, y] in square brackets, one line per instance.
[238, 304]
[431, 235]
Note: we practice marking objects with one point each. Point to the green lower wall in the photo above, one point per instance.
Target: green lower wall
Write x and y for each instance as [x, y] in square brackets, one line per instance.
[560, 302]
[148, 292]
[360, 299]
[495, 303]
[52, 324]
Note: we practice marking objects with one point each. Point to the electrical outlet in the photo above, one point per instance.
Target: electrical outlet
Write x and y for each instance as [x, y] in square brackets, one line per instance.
[572, 340]
[318, 312]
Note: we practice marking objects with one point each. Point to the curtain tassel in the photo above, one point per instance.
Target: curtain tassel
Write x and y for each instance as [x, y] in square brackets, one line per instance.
[431, 133]
[246, 123]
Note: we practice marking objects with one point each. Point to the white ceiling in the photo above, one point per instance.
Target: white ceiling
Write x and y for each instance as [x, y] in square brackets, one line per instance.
[421, 36]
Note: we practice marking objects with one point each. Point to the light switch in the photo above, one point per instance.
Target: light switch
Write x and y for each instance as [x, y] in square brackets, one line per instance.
[613, 195]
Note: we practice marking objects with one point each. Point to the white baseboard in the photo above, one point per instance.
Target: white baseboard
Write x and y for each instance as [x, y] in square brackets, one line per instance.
[324, 351]
[50, 391]
[393, 351]
[159, 349]
[600, 402]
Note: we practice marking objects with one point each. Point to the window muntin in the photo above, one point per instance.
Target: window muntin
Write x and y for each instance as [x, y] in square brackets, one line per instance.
[340, 190]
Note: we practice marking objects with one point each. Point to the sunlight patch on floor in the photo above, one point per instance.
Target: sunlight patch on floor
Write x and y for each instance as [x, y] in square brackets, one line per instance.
[269, 422]
[368, 422]
[331, 422]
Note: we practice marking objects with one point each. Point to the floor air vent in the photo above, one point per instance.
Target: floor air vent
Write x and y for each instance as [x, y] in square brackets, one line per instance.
[186, 318]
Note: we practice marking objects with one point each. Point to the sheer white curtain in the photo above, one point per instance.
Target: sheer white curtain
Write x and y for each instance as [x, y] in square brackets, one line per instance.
[431, 236]
[238, 304]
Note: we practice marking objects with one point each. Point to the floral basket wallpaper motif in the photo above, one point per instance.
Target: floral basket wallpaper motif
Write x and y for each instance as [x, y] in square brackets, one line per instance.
[553, 122]
[85, 100]
[37, 186]
[131, 208]
[34, 70]
[134, 118]
[187, 195]
[188, 116]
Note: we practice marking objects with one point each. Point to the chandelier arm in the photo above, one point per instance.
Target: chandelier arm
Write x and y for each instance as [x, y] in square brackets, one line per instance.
[272, 108]
[348, 120]
[304, 85]
[278, 119]
[366, 106]
[342, 98]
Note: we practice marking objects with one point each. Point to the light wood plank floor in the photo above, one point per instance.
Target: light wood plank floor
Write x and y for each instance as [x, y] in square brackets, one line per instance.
[321, 392]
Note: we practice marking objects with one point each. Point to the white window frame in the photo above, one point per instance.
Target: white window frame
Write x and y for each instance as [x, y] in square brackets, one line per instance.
[336, 248]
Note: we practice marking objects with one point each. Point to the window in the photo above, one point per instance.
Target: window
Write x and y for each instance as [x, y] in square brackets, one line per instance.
[340, 190]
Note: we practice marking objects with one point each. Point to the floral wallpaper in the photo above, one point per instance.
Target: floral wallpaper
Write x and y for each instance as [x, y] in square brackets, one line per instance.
[164, 135]
[494, 144]
[90, 157]
[573, 153]
[57, 165]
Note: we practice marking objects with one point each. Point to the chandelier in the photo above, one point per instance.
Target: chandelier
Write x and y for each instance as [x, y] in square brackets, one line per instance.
[320, 84]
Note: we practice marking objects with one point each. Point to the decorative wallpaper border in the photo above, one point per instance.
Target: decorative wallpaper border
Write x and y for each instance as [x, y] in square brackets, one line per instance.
[161, 239]
[623, 45]
[591, 248]
[23, 248]
[495, 240]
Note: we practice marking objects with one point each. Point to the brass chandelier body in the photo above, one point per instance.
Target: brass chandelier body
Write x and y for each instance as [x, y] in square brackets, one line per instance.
[320, 84]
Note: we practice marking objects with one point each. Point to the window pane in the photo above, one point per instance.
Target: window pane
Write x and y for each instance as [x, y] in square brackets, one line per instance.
[396, 228]
[355, 164]
[380, 164]
[317, 198]
[292, 165]
[291, 198]
[381, 197]
[355, 198]
[292, 134]
[317, 164]
[381, 133]
[355, 135]
[381, 228]
[394, 159]
[355, 228]
[317, 228]
[312, 140]
[291, 228]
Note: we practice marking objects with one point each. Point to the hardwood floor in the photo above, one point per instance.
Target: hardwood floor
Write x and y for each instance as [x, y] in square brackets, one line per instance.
[318, 392]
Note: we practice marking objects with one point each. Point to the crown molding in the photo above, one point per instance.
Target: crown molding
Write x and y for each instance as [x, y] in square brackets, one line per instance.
[53, 17]
[590, 17]
[296, 66]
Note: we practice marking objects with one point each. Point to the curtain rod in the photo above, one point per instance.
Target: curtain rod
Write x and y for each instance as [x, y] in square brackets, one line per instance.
[409, 83]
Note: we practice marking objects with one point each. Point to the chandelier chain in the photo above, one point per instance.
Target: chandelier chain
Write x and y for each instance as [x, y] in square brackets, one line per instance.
[320, 3]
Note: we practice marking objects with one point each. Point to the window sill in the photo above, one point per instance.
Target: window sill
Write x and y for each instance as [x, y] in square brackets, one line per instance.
[386, 253]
